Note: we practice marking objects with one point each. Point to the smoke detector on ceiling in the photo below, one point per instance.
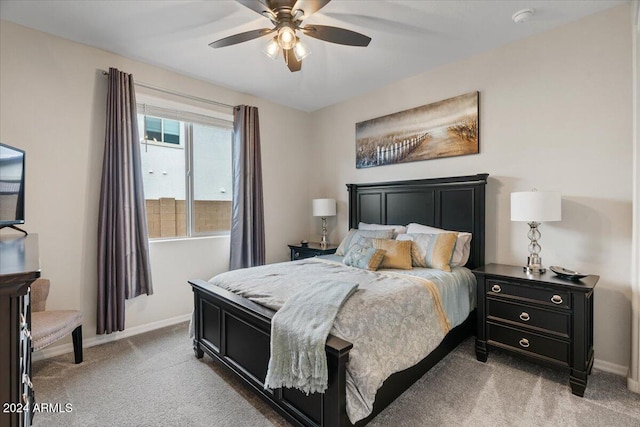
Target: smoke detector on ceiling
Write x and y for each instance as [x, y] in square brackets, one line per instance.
[523, 15]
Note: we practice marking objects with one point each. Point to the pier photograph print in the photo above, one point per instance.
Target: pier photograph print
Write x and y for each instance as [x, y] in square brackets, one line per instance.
[440, 129]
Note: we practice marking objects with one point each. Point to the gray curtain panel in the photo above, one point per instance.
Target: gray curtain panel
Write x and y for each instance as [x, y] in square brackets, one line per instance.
[247, 214]
[123, 246]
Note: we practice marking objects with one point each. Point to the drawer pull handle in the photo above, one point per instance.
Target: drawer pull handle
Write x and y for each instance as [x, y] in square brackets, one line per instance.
[556, 299]
[297, 255]
[524, 316]
[496, 288]
[26, 380]
[524, 342]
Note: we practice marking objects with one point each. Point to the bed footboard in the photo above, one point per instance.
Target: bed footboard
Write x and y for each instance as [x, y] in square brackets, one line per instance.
[236, 332]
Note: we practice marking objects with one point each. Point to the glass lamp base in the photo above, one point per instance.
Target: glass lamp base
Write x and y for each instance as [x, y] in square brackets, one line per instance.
[534, 265]
[323, 241]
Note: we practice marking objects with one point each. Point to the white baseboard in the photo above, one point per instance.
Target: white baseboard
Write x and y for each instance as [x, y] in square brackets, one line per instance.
[633, 385]
[53, 351]
[612, 368]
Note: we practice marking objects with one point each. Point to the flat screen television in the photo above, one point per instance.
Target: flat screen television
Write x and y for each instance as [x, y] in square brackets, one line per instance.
[12, 173]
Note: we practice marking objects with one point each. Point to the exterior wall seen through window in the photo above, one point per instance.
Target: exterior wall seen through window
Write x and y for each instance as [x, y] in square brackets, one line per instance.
[179, 203]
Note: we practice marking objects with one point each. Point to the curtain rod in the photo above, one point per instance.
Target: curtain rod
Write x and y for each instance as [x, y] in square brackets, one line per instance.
[171, 92]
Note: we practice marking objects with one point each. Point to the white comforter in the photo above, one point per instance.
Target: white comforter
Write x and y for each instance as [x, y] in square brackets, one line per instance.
[394, 320]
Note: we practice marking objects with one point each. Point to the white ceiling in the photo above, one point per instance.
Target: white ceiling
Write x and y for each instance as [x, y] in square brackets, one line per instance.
[408, 38]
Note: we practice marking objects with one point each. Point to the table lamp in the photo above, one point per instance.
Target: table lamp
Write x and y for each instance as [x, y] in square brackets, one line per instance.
[324, 208]
[534, 207]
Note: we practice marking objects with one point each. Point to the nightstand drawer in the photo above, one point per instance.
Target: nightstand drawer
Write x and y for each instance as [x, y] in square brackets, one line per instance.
[300, 253]
[535, 294]
[527, 342]
[549, 321]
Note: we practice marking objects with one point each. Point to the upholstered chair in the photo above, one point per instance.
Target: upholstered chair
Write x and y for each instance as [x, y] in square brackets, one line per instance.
[48, 327]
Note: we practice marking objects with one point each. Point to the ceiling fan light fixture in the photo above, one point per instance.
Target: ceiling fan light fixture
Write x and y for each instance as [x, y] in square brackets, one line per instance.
[272, 49]
[286, 37]
[301, 50]
[287, 20]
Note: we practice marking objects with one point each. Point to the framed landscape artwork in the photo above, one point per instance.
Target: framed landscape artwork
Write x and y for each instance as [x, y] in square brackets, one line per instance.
[440, 129]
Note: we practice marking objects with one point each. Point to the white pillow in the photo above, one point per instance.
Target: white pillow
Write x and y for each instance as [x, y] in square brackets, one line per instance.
[463, 244]
[397, 229]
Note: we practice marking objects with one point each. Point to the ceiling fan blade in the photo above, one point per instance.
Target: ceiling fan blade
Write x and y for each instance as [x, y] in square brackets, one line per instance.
[242, 37]
[291, 61]
[310, 6]
[258, 7]
[336, 35]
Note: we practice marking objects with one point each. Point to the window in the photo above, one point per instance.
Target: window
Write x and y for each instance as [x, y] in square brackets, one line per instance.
[161, 130]
[186, 167]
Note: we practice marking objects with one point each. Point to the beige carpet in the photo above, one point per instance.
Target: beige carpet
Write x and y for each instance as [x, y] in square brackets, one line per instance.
[154, 380]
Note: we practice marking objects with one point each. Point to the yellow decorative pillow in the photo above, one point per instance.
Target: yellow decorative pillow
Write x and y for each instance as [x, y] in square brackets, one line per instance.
[397, 255]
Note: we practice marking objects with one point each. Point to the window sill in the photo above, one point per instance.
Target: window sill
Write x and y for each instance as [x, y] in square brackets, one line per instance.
[187, 239]
[161, 144]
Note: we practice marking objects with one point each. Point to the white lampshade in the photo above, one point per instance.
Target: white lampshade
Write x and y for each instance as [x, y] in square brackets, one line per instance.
[538, 206]
[324, 207]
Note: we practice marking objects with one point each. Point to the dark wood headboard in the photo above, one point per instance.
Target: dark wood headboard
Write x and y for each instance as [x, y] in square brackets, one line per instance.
[455, 203]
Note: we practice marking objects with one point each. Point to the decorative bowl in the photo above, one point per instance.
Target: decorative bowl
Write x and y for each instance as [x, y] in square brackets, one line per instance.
[565, 273]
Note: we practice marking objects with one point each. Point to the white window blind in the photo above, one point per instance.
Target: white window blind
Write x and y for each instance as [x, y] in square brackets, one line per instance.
[183, 116]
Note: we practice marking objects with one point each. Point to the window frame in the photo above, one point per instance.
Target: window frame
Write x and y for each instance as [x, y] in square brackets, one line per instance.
[225, 121]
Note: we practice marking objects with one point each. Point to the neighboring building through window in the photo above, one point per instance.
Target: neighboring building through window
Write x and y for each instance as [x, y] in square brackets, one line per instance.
[161, 130]
[186, 167]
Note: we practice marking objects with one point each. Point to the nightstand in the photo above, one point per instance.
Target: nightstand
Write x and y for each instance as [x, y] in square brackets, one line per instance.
[540, 316]
[311, 249]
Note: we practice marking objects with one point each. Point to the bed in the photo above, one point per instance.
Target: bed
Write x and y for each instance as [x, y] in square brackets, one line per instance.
[236, 331]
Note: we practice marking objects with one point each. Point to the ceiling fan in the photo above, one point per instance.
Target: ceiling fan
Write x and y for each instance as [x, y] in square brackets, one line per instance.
[287, 17]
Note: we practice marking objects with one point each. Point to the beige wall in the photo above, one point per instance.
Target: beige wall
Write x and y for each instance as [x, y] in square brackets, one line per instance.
[633, 380]
[53, 106]
[555, 114]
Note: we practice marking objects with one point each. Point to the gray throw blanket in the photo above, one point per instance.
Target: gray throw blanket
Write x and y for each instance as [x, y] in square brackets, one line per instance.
[299, 331]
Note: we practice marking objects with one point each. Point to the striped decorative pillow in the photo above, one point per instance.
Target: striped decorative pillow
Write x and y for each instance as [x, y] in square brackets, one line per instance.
[431, 250]
[463, 245]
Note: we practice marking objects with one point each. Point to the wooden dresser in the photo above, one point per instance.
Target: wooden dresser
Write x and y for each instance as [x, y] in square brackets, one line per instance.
[540, 316]
[19, 267]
